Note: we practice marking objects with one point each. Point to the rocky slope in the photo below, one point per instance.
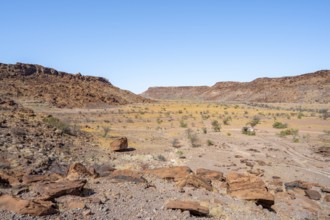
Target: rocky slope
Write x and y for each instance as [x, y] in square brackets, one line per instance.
[47, 85]
[309, 88]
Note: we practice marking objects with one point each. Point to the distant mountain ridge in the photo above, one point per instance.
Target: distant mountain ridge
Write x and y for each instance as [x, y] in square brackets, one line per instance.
[60, 89]
[308, 88]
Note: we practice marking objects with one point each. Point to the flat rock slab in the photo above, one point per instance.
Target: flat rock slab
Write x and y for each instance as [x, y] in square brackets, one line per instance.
[127, 176]
[175, 173]
[210, 174]
[26, 207]
[195, 181]
[193, 207]
[51, 190]
[249, 187]
[313, 194]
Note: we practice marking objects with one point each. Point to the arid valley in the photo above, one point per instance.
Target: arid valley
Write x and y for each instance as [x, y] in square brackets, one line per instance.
[90, 150]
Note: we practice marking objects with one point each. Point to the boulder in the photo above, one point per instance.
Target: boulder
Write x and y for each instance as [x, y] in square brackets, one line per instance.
[210, 174]
[195, 181]
[119, 144]
[175, 173]
[51, 190]
[313, 194]
[26, 207]
[78, 171]
[249, 187]
[193, 207]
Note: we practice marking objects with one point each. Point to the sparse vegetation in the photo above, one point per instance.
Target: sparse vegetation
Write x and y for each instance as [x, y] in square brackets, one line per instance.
[216, 126]
[58, 124]
[248, 131]
[280, 125]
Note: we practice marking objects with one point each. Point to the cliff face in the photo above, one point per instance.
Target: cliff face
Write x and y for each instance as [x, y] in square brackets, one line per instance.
[309, 88]
[61, 89]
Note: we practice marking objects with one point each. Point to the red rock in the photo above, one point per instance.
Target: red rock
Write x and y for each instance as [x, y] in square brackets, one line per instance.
[119, 144]
[195, 181]
[210, 174]
[249, 187]
[175, 173]
[26, 207]
[78, 171]
[127, 175]
[327, 198]
[51, 190]
[8, 180]
[313, 194]
[193, 207]
[28, 179]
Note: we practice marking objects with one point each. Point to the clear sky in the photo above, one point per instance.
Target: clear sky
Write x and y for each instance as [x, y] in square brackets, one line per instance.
[141, 43]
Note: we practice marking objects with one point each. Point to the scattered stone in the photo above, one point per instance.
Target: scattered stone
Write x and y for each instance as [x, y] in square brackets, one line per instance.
[193, 207]
[313, 194]
[26, 207]
[119, 144]
[249, 187]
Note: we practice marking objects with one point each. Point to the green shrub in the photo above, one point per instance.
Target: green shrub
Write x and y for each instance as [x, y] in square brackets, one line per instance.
[216, 126]
[183, 124]
[255, 120]
[287, 132]
[58, 124]
[210, 143]
[280, 125]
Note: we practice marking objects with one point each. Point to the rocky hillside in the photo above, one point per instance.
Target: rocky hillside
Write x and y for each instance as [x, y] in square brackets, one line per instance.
[309, 88]
[35, 82]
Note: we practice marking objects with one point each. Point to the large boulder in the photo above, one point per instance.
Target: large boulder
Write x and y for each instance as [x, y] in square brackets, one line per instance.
[119, 144]
[249, 187]
[26, 207]
[193, 207]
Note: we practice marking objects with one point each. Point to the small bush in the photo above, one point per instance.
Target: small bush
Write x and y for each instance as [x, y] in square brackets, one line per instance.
[183, 124]
[176, 143]
[160, 158]
[106, 131]
[226, 120]
[255, 120]
[280, 125]
[192, 137]
[210, 143]
[204, 130]
[57, 123]
[287, 132]
[216, 126]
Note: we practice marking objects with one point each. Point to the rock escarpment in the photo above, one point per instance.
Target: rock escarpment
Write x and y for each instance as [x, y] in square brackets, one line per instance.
[60, 89]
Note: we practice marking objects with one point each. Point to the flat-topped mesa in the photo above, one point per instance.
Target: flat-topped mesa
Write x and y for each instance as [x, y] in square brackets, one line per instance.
[305, 88]
[47, 85]
[23, 69]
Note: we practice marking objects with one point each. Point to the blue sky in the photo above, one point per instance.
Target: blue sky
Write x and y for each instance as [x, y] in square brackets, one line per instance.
[142, 43]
